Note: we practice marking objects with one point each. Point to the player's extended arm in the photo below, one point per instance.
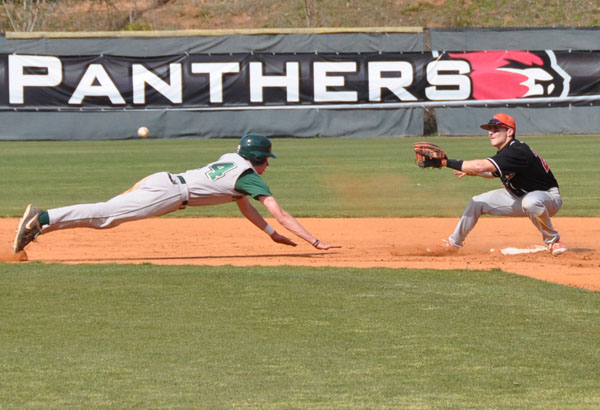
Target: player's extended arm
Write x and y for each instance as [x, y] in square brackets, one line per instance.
[252, 214]
[476, 167]
[289, 223]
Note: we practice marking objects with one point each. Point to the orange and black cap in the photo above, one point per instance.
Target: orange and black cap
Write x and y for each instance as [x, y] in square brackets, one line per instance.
[501, 120]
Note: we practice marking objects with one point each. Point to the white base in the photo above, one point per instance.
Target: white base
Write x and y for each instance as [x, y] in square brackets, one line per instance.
[517, 251]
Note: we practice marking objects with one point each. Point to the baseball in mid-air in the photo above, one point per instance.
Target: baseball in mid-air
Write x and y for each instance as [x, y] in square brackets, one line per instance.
[143, 132]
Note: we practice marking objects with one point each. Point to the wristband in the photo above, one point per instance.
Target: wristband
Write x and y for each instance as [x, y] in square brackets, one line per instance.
[316, 243]
[269, 230]
[454, 164]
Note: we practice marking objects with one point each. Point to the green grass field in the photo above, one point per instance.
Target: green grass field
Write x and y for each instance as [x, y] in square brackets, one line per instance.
[182, 337]
[324, 177]
[293, 338]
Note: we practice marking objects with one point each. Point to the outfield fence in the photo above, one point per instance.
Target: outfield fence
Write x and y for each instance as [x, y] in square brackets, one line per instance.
[359, 82]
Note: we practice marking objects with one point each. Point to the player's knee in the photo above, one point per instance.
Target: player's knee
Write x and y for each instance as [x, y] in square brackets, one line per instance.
[480, 199]
[475, 206]
[532, 207]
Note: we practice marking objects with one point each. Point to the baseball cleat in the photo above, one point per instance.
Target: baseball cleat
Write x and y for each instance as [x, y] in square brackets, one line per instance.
[445, 248]
[29, 228]
[557, 248]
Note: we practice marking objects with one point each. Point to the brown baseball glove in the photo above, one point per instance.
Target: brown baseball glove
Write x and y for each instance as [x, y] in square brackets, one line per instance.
[429, 155]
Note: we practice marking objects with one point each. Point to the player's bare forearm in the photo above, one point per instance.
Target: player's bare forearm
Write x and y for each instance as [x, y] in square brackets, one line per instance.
[477, 166]
[252, 214]
[286, 220]
[290, 223]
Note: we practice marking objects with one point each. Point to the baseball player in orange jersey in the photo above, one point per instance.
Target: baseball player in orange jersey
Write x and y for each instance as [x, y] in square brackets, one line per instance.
[530, 188]
[234, 177]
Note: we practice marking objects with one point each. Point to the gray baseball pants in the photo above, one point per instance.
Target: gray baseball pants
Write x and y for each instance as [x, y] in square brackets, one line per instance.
[539, 206]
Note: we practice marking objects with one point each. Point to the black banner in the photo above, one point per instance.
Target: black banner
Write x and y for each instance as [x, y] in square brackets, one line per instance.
[299, 80]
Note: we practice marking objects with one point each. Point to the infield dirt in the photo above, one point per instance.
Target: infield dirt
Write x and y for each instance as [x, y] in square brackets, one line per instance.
[367, 242]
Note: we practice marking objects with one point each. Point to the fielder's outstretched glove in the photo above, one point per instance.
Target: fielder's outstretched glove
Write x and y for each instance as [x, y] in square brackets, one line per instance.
[429, 155]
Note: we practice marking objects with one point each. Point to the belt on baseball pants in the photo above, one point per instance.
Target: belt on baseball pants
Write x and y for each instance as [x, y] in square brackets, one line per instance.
[181, 182]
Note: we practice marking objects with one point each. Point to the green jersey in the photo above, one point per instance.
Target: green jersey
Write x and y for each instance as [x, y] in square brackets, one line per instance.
[250, 183]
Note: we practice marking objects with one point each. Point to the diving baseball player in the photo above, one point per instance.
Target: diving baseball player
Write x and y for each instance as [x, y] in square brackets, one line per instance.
[234, 177]
[530, 188]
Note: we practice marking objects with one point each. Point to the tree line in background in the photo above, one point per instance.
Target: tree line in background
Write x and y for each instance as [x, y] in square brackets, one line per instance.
[119, 15]
[25, 15]
[40, 15]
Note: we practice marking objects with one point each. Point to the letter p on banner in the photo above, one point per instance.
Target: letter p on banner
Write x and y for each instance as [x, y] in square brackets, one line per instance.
[51, 74]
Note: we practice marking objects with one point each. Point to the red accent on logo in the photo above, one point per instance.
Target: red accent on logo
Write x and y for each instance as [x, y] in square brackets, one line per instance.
[489, 83]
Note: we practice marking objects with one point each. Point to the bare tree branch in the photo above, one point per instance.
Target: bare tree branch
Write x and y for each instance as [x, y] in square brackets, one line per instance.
[307, 11]
[27, 15]
[9, 15]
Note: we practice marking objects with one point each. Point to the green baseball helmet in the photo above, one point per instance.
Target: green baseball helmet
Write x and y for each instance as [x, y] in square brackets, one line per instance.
[255, 148]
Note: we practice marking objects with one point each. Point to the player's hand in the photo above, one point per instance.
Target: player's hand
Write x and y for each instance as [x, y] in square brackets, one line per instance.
[460, 174]
[324, 246]
[282, 239]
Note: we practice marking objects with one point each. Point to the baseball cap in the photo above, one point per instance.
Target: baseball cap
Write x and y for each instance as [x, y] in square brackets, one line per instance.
[501, 119]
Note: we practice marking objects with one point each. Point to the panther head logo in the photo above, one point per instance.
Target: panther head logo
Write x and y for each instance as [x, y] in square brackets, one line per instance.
[513, 74]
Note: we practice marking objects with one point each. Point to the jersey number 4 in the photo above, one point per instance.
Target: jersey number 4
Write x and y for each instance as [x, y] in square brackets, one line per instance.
[218, 171]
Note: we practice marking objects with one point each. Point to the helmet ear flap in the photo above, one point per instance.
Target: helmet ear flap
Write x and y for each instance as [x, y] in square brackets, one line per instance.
[259, 160]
